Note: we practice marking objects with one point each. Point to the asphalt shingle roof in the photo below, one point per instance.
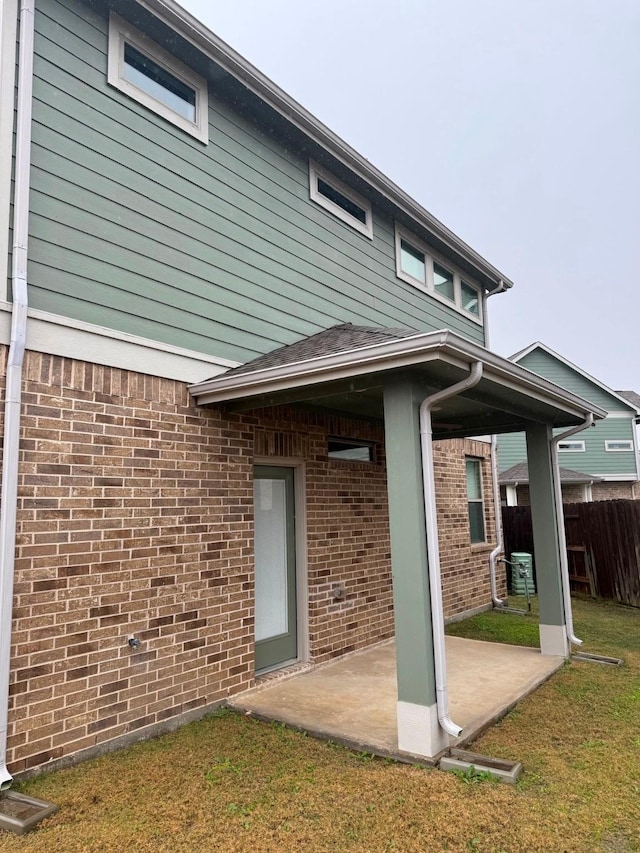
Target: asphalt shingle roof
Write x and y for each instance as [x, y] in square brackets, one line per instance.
[631, 396]
[330, 341]
[520, 474]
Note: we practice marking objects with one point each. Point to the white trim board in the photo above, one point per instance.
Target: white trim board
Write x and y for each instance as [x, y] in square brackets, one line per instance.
[63, 336]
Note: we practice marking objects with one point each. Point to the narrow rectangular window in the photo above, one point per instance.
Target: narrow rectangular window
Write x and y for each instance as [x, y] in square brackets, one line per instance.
[153, 77]
[351, 450]
[475, 502]
[571, 447]
[340, 200]
[443, 282]
[619, 445]
[156, 81]
[413, 262]
[470, 298]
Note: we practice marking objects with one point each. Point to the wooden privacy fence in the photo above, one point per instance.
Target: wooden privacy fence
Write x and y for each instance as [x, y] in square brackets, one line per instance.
[603, 546]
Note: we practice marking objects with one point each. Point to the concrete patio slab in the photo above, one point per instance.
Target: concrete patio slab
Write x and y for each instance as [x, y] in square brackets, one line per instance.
[353, 700]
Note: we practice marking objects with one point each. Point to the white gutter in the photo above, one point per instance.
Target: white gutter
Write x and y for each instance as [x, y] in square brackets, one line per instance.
[562, 538]
[13, 396]
[433, 548]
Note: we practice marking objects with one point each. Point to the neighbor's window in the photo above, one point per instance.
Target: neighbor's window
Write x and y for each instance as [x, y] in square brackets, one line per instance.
[618, 445]
[475, 503]
[155, 78]
[571, 446]
[351, 450]
[416, 264]
[346, 204]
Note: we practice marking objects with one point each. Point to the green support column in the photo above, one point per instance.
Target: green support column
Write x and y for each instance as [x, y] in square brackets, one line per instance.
[418, 728]
[553, 631]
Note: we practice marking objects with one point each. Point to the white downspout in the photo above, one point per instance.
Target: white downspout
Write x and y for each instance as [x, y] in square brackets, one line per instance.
[562, 538]
[497, 509]
[13, 395]
[493, 556]
[433, 548]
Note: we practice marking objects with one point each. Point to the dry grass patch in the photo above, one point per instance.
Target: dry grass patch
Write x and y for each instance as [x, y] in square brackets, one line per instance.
[230, 783]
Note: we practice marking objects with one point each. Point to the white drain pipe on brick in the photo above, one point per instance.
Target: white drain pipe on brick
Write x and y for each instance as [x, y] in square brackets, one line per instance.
[562, 538]
[13, 394]
[493, 556]
[433, 548]
[497, 511]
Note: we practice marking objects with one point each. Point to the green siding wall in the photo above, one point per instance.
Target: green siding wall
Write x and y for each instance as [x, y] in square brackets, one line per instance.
[137, 227]
[544, 364]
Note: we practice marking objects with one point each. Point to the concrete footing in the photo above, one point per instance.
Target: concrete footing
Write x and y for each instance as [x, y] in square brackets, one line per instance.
[19, 813]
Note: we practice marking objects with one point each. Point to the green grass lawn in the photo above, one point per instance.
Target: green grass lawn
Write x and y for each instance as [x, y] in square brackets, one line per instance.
[230, 783]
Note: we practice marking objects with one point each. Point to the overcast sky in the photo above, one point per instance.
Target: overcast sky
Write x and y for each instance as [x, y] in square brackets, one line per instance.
[515, 122]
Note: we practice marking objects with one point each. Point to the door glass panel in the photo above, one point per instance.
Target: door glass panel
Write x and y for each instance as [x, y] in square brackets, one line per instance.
[271, 558]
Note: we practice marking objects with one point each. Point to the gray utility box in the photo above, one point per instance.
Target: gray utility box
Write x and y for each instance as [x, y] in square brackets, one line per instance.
[521, 568]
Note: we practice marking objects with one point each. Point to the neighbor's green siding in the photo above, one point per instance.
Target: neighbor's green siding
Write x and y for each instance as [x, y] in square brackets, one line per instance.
[544, 364]
[138, 227]
[594, 460]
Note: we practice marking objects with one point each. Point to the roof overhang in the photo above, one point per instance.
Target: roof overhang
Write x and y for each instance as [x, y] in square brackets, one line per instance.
[172, 14]
[352, 382]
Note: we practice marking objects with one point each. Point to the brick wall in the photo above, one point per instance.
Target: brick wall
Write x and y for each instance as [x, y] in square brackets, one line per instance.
[613, 491]
[465, 567]
[135, 518]
[575, 493]
[347, 528]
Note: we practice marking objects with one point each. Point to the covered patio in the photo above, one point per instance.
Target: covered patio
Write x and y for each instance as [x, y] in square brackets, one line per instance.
[425, 387]
[353, 700]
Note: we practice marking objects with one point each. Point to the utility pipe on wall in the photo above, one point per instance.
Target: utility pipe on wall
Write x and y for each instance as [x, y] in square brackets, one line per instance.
[13, 394]
[493, 556]
[433, 548]
[562, 538]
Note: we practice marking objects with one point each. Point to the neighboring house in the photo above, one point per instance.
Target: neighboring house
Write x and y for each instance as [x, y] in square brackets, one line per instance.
[600, 463]
[241, 341]
[514, 485]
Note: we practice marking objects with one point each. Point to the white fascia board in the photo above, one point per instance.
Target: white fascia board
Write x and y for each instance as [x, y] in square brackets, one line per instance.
[518, 356]
[8, 34]
[614, 478]
[69, 338]
[212, 46]
[404, 352]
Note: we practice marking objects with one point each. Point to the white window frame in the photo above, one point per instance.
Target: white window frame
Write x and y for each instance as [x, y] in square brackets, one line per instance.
[611, 441]
[571, 446]
[121, 32]
[478, 461]
[316, 171]
[428, 286]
